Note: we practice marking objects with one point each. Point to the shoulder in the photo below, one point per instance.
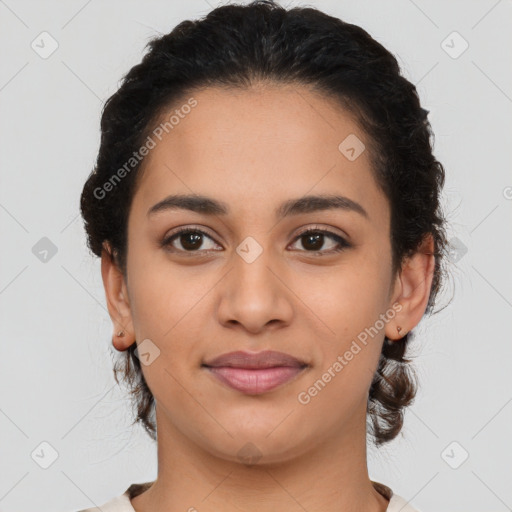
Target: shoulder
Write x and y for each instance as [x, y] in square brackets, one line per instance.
[121, 503]
[117, 504]
[396, 502]
[399, 504]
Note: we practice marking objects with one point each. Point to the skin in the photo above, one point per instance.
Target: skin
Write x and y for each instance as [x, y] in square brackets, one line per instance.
[253, 150]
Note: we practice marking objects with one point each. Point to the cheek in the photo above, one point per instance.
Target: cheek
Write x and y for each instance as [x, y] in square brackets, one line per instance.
[349, 302]
[347, 297]
[348, 357]
[163, 295]
[165, 310]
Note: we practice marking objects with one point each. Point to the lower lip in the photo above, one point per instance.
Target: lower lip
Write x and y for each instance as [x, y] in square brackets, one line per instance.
[254, 381]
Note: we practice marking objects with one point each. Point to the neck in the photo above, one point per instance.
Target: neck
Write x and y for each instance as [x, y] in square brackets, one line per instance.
[331, 476]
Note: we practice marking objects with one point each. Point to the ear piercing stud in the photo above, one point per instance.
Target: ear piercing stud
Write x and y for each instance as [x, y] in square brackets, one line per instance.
[399, 329]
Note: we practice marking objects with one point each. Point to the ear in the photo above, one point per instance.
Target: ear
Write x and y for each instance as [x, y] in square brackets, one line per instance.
[412, 289]
[117, 299]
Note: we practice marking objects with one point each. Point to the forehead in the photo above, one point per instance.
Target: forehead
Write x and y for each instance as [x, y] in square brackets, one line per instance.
[265, 144]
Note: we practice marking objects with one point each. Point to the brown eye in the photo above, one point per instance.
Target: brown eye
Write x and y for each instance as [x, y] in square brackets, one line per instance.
[313, 240]
[190, 239]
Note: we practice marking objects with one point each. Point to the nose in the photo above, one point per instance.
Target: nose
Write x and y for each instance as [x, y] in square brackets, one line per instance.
[253, 296]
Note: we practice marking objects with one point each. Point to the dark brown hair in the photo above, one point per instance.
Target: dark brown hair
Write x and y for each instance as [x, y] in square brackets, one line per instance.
[237, 46]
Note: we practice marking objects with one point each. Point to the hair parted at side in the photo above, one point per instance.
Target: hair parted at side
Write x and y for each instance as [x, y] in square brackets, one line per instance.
[238, 46]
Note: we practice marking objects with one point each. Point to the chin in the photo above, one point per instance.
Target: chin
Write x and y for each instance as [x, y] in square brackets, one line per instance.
[256, 447]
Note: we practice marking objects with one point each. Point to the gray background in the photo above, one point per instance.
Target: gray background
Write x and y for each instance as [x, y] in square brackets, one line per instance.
[56, 375]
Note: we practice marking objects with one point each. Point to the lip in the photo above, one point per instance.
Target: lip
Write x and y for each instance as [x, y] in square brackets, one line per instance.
[253, 360]
[255, 372]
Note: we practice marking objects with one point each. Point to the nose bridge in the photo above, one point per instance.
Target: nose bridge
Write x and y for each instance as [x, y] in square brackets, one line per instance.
[252, 295]
[252, 263]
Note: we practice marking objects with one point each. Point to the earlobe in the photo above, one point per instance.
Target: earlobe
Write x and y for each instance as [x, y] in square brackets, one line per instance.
[413, 284]
[117, 300]
[122, 342]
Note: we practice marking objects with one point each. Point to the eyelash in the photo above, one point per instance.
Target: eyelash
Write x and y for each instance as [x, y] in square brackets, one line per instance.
[342, 243]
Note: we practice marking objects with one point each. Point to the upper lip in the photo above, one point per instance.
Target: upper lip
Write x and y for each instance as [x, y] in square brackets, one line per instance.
[264, 359]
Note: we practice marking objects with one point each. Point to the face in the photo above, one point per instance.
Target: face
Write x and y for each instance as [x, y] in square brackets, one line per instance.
[308, 280]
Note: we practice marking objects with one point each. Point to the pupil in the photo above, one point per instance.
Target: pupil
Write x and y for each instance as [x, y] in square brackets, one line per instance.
[196, 243]
[315, 239]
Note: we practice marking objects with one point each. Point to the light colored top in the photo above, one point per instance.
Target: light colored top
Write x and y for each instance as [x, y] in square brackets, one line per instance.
[123, 504]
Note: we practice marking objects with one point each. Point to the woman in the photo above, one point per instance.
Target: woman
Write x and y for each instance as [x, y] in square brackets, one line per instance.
[266, 206]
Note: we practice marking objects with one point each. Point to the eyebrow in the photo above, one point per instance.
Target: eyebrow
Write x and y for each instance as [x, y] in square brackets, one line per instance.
[307, 204]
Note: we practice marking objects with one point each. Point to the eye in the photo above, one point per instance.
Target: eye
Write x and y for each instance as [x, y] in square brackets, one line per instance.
[314, 238]
[190, 240]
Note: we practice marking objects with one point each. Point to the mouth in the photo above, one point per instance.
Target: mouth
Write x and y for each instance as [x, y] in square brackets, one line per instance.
[255, 373]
